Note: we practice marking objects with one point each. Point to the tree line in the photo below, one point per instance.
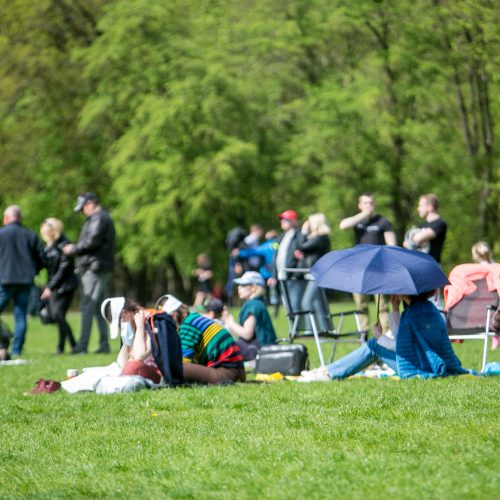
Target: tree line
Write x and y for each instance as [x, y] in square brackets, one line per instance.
[189, 117]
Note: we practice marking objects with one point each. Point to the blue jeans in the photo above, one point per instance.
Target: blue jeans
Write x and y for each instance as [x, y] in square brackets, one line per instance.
[311, 301]
[21, 295]
[361, 358]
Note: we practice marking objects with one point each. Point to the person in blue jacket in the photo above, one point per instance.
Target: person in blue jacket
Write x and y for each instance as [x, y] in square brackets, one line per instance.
[254, 327]
[265, 250]
[421, 348]
[21, 258]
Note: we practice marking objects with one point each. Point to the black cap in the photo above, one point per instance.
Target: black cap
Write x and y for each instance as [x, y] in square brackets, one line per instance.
[83, 198]
[214, 305]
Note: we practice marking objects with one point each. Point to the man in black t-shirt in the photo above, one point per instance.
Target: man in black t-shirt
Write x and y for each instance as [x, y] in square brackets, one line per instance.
[432, 232]
[370, 228]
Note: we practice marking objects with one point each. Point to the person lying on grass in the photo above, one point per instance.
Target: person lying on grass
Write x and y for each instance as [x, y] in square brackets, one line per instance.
[254, 327]
[210, 354]
[135, 356]
[421, 347]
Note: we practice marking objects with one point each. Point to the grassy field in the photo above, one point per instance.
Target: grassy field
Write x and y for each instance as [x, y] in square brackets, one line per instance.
[357, 438]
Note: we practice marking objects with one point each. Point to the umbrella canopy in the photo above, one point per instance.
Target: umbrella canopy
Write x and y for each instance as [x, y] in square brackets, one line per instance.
[374, 269]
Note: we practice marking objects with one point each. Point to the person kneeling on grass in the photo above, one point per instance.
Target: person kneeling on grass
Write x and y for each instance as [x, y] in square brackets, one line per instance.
[135, 356]
[254, 328]
[421, 347]
[210, 354]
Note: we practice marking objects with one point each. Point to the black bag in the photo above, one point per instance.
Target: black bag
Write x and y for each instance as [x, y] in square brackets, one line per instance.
[287, 359]
[5, 335]
[166, 347]
[235, 237]
[45, 314]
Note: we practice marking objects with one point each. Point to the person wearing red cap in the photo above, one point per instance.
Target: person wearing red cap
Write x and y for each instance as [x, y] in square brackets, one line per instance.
[285, 257]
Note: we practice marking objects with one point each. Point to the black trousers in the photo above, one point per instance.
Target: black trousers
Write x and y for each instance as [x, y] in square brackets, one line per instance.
[59, 305]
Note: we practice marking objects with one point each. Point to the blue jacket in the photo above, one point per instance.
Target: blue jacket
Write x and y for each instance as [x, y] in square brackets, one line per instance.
[423, 348]
[21, 255]
[266, 250]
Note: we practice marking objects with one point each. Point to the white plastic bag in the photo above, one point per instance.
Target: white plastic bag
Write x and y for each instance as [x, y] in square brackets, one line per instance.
[122, 383]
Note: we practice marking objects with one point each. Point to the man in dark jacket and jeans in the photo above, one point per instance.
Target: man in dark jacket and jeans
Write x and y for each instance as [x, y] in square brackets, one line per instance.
[95, 252]
[21, 258]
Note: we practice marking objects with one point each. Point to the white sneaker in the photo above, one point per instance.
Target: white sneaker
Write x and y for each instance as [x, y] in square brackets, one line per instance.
[316, 375]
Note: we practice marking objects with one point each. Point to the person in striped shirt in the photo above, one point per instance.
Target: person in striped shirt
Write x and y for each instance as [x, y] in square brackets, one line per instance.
[210, 354]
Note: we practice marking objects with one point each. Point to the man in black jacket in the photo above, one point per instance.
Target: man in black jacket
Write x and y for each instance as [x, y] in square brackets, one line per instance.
[95, 252]
[21, 258]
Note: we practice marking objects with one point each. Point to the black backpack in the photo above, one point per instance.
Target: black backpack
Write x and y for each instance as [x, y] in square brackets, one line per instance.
[235, 237]
[166, 347]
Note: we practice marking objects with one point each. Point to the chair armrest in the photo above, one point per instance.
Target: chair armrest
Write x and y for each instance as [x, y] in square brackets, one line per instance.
[355, 311]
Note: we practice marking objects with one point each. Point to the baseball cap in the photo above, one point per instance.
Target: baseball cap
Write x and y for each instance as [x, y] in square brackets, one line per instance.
[214, 305]
[250, 278]
[288, 215]
[169, 303]
[116, 306]
[83, 198]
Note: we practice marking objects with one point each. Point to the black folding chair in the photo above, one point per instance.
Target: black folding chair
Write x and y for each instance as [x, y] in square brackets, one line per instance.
[319, 324]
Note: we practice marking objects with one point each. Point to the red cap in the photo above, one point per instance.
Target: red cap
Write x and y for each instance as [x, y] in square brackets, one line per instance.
[289, 215]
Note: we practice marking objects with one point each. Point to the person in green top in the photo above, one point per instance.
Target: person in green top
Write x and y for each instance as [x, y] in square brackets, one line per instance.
[254, 327]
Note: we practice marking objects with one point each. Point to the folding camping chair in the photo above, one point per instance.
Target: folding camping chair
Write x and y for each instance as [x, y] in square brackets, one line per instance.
[320, 324]
[470, 305]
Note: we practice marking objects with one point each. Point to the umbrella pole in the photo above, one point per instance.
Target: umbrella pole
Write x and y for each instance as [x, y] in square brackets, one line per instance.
[377, 300]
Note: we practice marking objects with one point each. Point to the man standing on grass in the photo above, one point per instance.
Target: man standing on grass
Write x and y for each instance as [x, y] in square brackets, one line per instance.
[21, 258]
[370, 228]
[285, 258]
[95, 252]
[432, 232]
[430, 236]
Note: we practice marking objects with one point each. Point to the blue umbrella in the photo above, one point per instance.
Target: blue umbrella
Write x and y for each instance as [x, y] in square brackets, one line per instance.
[379, 269]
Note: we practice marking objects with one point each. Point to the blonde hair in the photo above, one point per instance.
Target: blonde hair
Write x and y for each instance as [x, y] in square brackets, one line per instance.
[318, 225]
[258, 292]
[51, 230]
[481, 252]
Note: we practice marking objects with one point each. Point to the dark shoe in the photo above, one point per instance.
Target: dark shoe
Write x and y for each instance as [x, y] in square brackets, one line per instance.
[103, 351]
[77, 350]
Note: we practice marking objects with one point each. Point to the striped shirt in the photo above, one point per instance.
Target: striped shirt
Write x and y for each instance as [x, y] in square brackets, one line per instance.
[206, 343]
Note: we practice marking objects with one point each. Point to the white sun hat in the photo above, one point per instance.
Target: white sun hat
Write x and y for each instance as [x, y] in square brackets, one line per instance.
[170, 305]
[116, 306]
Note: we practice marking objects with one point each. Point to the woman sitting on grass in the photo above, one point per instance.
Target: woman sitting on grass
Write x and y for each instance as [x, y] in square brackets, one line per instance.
[210, 354]
[254, 327]
[421, 348]
[135, 356]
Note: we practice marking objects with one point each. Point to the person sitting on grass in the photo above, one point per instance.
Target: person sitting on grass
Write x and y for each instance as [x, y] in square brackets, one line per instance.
[254, 327]
[213, 309]
[135, 356]
[421, 347]
[210, 354]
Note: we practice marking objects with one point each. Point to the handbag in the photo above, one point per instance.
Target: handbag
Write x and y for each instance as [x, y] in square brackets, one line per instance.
[287, 359]
[5, 335]
[43, 386]
[45, 314]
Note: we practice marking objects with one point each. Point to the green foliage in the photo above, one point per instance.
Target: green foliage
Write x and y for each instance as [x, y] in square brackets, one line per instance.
[190, 117]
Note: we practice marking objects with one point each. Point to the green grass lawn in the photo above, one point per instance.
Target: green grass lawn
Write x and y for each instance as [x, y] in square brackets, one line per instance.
[355, 438]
